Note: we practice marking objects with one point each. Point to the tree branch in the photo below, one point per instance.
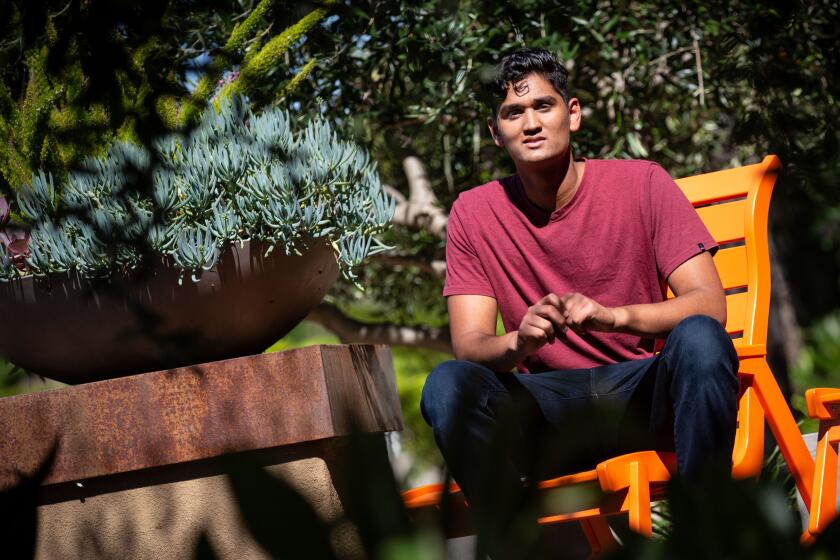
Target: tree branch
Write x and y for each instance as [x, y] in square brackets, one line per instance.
[784, 336]
[421, 210]
[223, 60]
[699, 65]
[349, 330]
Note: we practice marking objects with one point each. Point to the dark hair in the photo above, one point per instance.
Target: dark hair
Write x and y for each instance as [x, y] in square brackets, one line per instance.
[519, 64]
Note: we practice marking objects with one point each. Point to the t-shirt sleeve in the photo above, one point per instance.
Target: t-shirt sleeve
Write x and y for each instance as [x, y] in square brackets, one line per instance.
[465, 274]
[677, 231]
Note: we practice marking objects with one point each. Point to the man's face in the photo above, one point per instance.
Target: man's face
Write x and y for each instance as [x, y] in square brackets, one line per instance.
[533, 122]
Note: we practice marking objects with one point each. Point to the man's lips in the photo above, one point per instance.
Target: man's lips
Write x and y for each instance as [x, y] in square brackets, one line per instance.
[534, 142]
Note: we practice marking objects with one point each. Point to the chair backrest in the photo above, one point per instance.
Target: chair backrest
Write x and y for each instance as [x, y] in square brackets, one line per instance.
[734, 204]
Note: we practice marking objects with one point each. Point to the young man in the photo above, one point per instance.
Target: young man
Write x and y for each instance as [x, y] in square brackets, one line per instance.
[575, 254]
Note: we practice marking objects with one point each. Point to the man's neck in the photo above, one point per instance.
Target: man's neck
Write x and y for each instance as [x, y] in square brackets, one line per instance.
[551, 186]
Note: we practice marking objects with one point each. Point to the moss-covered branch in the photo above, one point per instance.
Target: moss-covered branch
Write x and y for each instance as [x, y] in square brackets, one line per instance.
[293, 84]
[258, 67]
[223, 60]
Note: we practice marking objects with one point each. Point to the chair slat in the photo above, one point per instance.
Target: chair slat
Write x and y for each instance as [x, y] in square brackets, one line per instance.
[720, 185]
[731, 265]
[725, 221]
[736, 312]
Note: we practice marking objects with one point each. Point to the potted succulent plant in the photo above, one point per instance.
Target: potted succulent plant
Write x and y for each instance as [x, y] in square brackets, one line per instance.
[211, 245]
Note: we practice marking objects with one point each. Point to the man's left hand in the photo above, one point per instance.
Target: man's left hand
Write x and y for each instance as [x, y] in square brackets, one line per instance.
[584, 314]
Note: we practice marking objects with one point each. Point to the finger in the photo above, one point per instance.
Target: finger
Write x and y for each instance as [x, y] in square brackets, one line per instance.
[568, 297]
[534, 335]
[557, 321]
[577, 328]
[571, 302]
[552, 299]
[553, 314]
[547, 326]
[543, 325]
[581, 316]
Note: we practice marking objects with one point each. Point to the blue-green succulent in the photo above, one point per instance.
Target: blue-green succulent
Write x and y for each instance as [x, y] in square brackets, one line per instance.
[238, 176]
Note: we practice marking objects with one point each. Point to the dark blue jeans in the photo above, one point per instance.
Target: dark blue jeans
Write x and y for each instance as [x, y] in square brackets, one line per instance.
[494, 429]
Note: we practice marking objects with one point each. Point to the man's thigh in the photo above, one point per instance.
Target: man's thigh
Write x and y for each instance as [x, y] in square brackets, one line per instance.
[576, 418]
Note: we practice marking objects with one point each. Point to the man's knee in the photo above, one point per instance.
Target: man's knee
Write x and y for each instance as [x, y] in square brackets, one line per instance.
[451, 386]
[704, 346]
[701, 337]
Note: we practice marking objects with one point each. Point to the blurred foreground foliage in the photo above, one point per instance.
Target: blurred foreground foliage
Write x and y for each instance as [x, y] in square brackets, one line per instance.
[719, 518]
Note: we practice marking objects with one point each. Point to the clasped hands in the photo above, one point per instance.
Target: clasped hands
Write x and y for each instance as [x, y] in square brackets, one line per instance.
[549, 318]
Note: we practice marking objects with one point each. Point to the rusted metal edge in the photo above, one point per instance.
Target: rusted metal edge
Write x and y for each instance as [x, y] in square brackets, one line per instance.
[198, 412]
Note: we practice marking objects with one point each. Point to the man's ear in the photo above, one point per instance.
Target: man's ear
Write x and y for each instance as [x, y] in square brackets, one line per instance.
[574, 114]
[494, 132]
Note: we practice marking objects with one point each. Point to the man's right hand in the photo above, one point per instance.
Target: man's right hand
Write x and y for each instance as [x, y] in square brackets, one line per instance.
[472, 321]
[541, 325]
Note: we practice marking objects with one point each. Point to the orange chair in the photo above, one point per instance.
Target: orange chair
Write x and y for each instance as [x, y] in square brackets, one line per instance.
[734, 205]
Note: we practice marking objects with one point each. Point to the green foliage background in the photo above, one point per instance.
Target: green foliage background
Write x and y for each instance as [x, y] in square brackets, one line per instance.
[768, 71]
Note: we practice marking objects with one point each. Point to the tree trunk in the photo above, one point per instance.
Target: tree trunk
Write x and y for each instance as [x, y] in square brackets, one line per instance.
[784, 339]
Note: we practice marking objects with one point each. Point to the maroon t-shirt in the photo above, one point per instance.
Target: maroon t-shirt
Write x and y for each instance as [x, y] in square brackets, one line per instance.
[624, 231]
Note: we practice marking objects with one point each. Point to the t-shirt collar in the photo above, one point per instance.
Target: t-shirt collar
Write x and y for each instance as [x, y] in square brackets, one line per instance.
[541, 216]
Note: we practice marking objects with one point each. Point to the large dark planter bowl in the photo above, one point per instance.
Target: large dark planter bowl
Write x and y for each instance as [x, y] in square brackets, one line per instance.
[77, 330]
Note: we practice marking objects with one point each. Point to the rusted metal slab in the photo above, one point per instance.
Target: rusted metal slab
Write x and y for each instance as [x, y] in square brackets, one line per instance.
[197, 412]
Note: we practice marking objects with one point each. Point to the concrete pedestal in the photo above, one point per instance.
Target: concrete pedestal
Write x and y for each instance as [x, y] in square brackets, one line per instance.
[149, 465]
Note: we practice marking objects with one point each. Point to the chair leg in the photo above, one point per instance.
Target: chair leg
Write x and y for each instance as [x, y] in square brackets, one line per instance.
[784, 428]
[599, 535]
[748, 455]
[824, 494]
[638, 498]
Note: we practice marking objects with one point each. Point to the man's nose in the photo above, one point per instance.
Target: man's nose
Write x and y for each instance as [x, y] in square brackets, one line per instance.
[532, 122]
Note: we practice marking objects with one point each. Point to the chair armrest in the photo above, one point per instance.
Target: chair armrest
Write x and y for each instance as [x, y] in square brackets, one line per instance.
[635, 472]
[750, 350]
[615, 475]
[823, 404]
